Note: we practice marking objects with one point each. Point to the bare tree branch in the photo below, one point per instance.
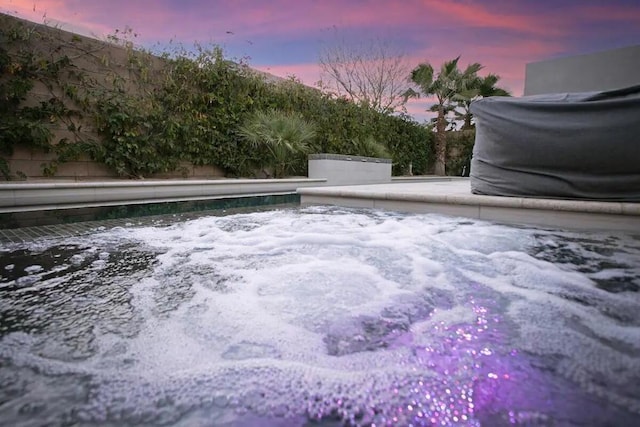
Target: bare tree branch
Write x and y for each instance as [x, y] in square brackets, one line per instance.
[370, 73]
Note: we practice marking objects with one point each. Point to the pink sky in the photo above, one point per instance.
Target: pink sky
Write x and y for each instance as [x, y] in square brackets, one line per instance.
[284, 37]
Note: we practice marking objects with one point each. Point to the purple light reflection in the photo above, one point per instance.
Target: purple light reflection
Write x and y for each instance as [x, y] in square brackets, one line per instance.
[472, 378]
[460, 357]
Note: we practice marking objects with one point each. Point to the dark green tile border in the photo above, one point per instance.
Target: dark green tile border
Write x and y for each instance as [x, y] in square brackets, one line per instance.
[72, 222]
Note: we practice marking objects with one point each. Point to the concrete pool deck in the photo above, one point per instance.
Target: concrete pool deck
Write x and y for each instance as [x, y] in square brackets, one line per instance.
[452, 196]
[442, 195]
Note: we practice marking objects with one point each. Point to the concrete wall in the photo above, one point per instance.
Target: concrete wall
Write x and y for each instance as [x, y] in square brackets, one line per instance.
[611, 69]
[98, 61]
[349, 170]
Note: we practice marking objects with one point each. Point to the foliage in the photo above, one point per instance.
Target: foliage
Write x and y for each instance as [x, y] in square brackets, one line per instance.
[480, 87]
[280, 139]
[148, 114]
[460, 146]
[338, 122]
[369, 147]
[206, 98]
[411, 146]
[450, 85]
[132, 145]
[21, 124]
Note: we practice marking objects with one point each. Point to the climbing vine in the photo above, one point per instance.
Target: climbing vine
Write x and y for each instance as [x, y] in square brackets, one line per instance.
[141, 114]
[21, 123]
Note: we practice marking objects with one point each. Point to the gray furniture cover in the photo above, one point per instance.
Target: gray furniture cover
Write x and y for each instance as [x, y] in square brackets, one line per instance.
[572, 145]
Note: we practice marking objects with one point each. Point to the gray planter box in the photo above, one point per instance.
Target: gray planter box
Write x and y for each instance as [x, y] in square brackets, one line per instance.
[339, 169]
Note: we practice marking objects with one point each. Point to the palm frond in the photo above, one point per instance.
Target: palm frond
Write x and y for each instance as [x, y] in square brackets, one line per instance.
[282, 136]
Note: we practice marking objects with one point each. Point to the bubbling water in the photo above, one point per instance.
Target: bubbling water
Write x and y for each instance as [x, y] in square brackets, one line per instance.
[322, 315]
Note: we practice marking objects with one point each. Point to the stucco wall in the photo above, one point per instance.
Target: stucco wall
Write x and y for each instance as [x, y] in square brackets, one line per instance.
[611, 69]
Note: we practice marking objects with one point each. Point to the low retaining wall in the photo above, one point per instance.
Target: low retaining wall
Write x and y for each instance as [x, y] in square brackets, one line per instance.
[339, 169]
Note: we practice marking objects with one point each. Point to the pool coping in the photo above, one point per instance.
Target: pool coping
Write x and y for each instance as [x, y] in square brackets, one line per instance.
[442, 195]
[26, 197]
[454, 197]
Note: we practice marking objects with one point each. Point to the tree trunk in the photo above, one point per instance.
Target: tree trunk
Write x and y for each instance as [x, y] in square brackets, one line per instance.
[441, 144]
[467, 121]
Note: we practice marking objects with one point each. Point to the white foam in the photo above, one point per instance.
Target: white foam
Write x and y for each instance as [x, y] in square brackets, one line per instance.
[293, 271]
[32, 269]
[253, 299]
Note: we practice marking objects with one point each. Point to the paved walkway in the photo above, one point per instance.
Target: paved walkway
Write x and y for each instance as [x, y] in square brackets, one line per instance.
[453, 197]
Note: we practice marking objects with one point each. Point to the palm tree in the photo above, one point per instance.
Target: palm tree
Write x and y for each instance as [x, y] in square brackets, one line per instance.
[481, 87]
[449, 85]
[281, 136]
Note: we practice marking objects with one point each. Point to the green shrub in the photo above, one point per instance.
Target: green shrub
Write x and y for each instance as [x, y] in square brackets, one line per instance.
[460, 148]
[280, 140]
[188, 105]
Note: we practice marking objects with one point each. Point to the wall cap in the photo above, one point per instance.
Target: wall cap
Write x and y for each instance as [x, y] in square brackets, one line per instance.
[347, 158]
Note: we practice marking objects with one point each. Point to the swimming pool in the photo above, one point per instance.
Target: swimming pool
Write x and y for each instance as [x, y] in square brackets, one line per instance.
[322, 316]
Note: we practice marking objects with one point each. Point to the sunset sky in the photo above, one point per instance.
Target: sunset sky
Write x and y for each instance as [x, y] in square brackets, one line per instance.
[284, 37]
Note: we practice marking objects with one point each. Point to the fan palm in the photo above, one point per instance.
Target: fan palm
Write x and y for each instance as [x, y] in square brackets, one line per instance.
[280, 137]
[481, 87]
[449, 85]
